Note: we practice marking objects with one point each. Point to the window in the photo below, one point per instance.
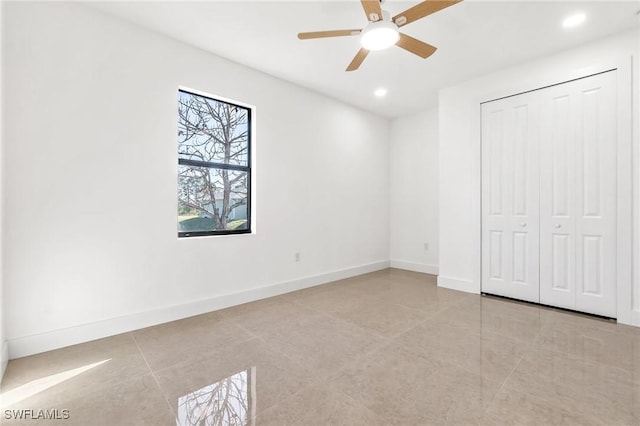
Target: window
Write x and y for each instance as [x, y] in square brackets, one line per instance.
[214, 166]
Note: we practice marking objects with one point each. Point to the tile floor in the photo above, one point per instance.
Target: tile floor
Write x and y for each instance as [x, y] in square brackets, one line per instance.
[383, 348]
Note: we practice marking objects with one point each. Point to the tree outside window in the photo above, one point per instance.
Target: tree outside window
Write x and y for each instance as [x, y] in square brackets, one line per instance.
[214, 173]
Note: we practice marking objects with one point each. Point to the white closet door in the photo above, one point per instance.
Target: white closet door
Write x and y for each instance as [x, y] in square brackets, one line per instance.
[557, 201]
[578, 195]
[510, 206]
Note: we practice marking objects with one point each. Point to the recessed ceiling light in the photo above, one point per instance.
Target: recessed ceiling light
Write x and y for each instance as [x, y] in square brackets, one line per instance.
[574, 20]
[380, 93]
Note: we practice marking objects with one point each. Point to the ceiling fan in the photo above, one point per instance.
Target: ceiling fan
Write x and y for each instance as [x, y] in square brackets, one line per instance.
[382, 31]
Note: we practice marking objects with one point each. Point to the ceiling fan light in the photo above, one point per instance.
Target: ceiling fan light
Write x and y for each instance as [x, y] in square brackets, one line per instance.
[379, 35]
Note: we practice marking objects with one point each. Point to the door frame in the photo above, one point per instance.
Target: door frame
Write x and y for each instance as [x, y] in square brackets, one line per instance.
[627, 307]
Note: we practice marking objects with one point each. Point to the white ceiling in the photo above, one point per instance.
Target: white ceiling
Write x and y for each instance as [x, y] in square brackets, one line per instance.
[473, 38]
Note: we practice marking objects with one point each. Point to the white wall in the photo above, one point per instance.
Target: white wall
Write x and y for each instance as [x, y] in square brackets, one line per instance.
[90, 236]
[414, 192]
[459, 149]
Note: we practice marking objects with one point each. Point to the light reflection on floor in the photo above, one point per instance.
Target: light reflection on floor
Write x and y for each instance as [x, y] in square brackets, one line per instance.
[230, 401]
[42, 384]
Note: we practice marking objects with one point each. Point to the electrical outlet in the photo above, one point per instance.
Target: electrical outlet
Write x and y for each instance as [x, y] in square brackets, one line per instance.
[426, 246]
[297, 257]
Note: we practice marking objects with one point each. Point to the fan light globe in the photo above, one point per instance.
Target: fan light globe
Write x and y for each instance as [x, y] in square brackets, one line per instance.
[379, 35]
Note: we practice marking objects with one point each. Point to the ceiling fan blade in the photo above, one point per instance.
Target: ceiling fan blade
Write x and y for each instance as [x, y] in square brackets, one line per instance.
[322, 34]
[421, 10]
[413, 45]
[372, 9]
[357, 61]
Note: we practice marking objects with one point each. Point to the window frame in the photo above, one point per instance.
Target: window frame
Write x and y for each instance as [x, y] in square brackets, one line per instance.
[222, 166]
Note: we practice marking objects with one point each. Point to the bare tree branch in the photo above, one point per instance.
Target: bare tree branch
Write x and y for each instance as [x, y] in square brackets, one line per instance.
[213, 131]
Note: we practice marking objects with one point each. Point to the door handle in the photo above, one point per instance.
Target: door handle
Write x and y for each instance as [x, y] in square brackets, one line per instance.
[524, 225]
[557, 226]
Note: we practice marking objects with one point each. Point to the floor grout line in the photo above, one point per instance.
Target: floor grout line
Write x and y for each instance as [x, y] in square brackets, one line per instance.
[490, 404]
[153, 374]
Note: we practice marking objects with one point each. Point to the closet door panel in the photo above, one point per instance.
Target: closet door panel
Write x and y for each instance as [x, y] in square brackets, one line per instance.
[596, 197]
[510, 199]
[578, 195]
[557, 197]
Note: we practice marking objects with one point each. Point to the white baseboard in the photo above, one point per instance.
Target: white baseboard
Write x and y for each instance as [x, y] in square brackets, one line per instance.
[633, 320]
[458, 284]
[415, 267]
[29, 345]
[4, 359]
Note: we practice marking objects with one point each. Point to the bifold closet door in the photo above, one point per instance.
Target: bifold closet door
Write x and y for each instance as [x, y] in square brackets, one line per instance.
[549, 201]
[578, 195]
[510, 191]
